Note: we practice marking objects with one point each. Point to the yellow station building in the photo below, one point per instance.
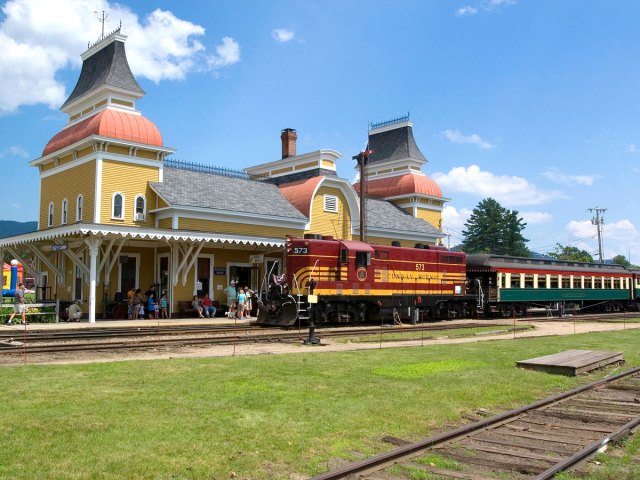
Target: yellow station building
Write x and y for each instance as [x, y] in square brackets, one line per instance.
[117, 212]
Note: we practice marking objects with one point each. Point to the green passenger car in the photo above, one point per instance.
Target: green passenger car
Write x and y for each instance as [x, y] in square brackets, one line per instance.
[515, 285]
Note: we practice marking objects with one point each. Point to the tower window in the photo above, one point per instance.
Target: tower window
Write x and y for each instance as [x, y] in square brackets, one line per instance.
[50, 216]
[118, 206]
[140, 209]
[79, 208]
[65, 211]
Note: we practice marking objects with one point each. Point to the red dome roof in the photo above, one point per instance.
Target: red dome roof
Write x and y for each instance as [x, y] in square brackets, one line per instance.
[402, 185]
[108, 123]
[299, 193]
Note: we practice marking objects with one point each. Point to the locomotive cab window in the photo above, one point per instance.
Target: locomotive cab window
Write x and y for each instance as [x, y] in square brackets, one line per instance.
[363, 259]
[344, 255]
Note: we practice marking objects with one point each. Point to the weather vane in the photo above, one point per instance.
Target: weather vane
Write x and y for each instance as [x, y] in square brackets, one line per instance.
[102, 20]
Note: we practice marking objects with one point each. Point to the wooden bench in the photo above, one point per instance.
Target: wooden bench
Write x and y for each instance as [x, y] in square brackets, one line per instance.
[185, 309]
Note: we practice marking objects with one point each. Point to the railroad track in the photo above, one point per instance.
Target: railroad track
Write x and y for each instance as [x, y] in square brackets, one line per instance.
[533, 442]
[140, 338]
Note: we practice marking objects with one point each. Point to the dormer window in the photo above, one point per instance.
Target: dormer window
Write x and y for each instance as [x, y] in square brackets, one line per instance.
[331, 203]
[117, 209]
[140, 209]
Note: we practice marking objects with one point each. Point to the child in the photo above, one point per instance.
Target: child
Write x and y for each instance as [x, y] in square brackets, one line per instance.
[241, 304]
[151, 305]
[163, 306]
[156, 310]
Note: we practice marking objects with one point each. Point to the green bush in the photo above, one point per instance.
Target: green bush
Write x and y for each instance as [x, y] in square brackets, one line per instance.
[34, 314]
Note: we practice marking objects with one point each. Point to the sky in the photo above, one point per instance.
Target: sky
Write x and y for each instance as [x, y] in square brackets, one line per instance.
[532, 103]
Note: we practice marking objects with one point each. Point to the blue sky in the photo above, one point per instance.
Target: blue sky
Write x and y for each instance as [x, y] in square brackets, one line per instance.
[534, 103]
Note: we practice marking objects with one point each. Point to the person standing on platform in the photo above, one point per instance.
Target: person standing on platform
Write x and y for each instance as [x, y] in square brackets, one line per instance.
[231, 297]
[130, 294]
[241, 303]
[151, 304]
[164, 304]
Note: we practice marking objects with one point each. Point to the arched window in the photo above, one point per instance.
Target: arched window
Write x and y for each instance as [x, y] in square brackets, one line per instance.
[79, 208]
[65, 211]
[140, 207]
[50, 217]
[117, 210]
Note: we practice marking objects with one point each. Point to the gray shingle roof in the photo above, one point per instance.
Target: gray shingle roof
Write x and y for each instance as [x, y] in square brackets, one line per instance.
[106, 67]
[383, 214]
[395, 144]
[207, 190]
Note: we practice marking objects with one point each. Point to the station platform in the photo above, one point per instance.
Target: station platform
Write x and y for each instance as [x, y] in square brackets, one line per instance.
[128, 323]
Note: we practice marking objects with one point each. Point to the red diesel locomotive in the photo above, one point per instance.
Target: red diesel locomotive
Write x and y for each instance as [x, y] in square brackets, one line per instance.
[336, 281]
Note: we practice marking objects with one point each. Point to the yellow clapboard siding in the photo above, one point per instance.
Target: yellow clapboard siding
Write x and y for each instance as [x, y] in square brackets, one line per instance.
[429, 216]
[164, 223]
[337, 224]
[249, 228]
[68, 184]
[130, 180]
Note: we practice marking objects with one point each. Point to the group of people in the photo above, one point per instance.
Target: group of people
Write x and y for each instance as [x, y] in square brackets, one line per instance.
[147, 305]
[239, 301]
[204, 307]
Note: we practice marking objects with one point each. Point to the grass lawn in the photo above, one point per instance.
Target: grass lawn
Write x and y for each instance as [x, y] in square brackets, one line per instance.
[262, 417]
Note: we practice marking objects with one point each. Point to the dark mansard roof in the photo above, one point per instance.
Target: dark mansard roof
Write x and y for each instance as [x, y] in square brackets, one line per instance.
[106, 67]
[394, 144]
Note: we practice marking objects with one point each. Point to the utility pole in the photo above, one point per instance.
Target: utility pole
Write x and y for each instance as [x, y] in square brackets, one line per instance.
[362, 159]
[598, 221]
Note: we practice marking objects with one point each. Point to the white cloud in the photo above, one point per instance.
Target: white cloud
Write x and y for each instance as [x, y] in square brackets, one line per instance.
[487, 5]
[455, 136]
[507, 190]
[556, 176]
[619, 238]
[40, 37]
[467, 10]
[532, 218]
[631, 148]
[14, 151]
[497, 3]
[283, 35]
[453, 219]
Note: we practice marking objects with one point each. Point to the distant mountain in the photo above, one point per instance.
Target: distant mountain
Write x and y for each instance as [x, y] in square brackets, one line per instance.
[9, 228]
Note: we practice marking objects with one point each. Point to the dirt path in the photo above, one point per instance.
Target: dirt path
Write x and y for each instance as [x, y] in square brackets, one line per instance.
[546, 328]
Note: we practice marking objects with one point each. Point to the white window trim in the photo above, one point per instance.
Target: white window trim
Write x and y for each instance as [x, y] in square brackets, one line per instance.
[65, 212]
[113, 199]
[328, 200]
[50, 215]
[135, 208]
[79, 207]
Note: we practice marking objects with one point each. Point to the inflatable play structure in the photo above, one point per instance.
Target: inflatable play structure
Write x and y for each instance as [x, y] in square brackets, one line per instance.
[12, 275]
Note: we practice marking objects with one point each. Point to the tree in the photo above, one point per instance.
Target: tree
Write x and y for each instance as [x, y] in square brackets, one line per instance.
[621, 260]
[494, 229]
[572, 254]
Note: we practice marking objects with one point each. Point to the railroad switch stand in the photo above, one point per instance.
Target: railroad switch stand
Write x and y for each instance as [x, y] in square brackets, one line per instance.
[312, 340]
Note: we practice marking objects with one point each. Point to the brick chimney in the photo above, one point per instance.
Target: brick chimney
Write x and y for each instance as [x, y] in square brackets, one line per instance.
[288, 137]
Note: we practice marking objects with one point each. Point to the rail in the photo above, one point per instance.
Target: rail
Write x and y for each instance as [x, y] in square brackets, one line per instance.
[378, 462]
